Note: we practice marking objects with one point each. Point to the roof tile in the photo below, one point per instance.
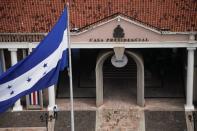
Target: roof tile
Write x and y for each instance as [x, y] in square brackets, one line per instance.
[40, 15]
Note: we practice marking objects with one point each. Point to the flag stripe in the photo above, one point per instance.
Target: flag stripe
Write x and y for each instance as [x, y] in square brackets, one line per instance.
[38, 97]
[48, 80]
[36, 73]
[34, 98]
[52, 40]
[30, 99]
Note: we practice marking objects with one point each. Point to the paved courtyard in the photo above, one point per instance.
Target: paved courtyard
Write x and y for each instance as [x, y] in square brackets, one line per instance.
[167, 114]
[118, 113]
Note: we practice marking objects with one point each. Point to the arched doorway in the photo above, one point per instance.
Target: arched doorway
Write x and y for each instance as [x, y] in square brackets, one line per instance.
[99, 76]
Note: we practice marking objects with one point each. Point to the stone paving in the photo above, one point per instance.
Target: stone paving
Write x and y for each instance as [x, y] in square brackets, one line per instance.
[22, 119]
[84, 121]
[165, 121]
[102, 119]
[24, 129]
[119, 120]
[150, 104]
[114, 115]
[30, 121]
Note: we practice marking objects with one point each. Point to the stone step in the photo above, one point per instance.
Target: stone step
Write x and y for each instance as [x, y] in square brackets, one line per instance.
[22, 119]
[30, 121]
[24, 129]
[84, 121]
[165, 121]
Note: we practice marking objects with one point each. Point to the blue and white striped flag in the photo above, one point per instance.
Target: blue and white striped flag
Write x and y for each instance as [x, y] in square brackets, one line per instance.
[39, 70]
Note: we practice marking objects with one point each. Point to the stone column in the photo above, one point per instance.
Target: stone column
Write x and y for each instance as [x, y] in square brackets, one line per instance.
[2, 60]
[99, 76]
[190, 76]
[24, 53]
[51, 91]
[13, 51]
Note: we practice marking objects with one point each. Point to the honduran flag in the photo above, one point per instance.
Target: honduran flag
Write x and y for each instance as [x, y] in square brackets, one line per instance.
[38, 70]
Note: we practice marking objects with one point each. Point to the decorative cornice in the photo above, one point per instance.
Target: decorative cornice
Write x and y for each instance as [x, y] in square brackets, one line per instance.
[21, 37]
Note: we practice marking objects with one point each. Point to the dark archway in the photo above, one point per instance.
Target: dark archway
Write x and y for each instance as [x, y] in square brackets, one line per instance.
[99, 76]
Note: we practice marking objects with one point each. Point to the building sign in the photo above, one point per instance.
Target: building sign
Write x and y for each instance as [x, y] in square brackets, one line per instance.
[118, 40]
[118, 36]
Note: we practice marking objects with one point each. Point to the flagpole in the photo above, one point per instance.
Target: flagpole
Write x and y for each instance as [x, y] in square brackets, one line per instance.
[70, 72]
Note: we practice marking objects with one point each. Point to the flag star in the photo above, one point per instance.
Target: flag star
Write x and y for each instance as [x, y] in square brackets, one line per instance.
[29, 79]
[12, 92]
[45, 65]
[9, 86]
